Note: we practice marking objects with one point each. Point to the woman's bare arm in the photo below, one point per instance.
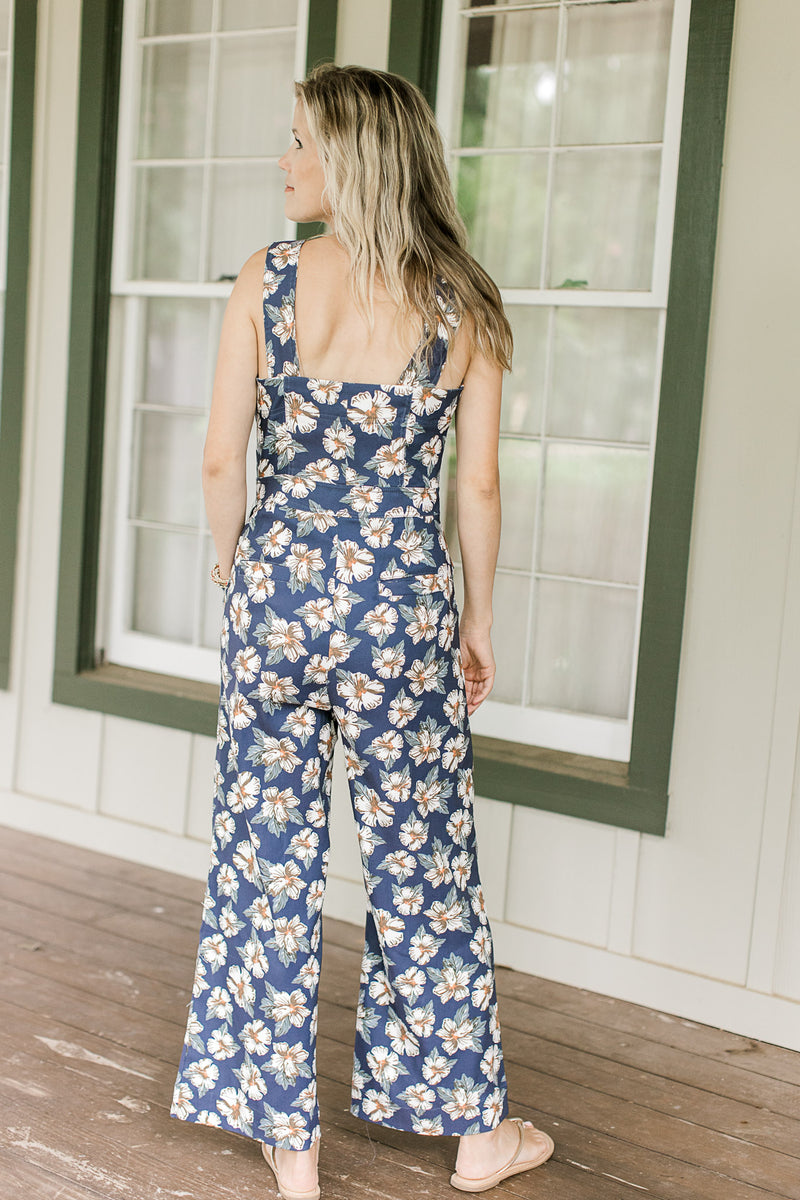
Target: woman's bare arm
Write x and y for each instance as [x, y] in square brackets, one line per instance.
[232, 412]
[478, 509]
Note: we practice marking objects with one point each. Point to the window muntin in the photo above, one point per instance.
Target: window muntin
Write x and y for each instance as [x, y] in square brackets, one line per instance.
[563, 123]
[206, 104]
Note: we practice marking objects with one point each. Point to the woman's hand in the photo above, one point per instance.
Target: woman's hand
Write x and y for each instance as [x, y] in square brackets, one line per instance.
[477, 659]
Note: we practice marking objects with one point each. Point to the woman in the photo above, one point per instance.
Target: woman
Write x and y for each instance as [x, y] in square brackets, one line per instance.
[340, 619]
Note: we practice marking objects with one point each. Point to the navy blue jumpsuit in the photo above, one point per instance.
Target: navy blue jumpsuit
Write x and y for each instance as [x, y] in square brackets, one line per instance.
[340, 618]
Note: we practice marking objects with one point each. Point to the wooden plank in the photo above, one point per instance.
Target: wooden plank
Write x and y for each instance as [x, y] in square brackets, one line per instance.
[777, 1062]
[117, 893]
[49, 850]
[24, 1181]
[43, 897]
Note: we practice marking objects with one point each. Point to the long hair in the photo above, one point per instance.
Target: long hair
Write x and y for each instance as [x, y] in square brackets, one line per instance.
[391, 202]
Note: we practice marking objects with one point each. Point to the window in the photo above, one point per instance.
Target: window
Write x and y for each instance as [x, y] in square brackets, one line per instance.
[563, 120]
[17, 64]
[206, 105]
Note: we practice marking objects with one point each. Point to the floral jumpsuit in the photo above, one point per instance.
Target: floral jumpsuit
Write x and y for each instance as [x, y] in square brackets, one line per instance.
[340, 616]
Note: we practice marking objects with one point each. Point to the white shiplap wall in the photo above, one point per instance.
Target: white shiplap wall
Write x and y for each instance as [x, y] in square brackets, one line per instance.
[701, 923]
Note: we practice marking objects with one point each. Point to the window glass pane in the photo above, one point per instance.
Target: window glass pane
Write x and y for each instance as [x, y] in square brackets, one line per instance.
[246, 207]
[174, 99]
[171, 16]
[602, 223]
[176, 350]
[170, 456]
[523, 388]
[519, 481]
[594, 504]
[254, 95]
[615, 72]
[165, 565]
[604, 365]
[583, 647]
[256, 14]
[502, 200]
[167, 232]
[510, 79]
[510, 600]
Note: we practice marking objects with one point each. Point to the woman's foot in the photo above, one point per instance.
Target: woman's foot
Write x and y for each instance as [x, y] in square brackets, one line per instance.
[482, 1154]
[298, 1168]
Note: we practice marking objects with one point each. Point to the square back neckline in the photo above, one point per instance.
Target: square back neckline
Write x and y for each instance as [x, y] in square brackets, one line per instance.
[293, 265]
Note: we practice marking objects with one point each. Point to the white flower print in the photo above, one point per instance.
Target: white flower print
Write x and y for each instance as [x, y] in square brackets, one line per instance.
[301, 414]
[385, 1065]
[202, 1075]
[244, 792]
[390, 928]
[374, 810]
[419, 1097]
[275, 541]
[240, 615]
[214, 950]
[372, 412]
[421, 1020]
[182, 1101]
[220, 1044]
[436, 1067]
[246, 664]
[324, 391]
[233, 1106]
[260, 585]
[377, 1105]
[353, 561]
[304, 562]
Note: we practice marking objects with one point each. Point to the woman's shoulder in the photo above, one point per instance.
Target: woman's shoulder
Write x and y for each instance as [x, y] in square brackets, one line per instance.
[276, 255]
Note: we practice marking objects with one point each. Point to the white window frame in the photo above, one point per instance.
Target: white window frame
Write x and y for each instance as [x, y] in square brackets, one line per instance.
[594, 736]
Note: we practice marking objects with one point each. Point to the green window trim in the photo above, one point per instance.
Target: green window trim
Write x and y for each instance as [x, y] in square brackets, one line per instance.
[635, 796]
[15, 320]
[77, 679]
[630, 796]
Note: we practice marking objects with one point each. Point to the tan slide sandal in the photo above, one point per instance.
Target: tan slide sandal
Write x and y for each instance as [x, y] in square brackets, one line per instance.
[514, 1166]
[288, 1193]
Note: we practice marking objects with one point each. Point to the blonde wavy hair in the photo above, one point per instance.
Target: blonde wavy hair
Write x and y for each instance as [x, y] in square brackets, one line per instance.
[391, 202]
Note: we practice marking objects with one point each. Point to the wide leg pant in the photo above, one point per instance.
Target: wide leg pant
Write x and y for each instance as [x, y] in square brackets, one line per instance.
[427, 1053]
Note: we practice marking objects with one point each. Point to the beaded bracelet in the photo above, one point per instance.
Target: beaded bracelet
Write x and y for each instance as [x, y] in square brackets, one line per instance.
[217, 577]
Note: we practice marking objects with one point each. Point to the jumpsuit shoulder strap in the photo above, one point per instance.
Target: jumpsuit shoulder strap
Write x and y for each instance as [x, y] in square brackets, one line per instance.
[448, 323]
[280, 264]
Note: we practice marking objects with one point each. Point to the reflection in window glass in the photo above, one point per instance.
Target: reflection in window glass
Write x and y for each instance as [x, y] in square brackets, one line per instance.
[583, 648]
[615, 72]
[509, 81]
[603, 220]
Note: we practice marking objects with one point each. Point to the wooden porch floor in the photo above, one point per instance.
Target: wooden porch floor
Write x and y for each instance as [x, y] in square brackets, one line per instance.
[97, 957]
